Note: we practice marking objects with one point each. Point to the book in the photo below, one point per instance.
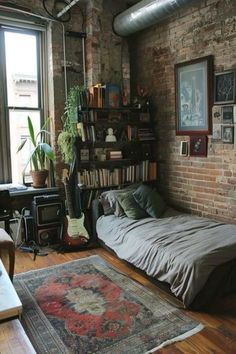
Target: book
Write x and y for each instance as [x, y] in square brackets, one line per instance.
[112, 96]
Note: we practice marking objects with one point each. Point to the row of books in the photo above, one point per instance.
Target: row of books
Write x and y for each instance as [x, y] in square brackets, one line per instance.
[91, 116]
[105, 95]
[145, 134]
[130, 133]
[145, 171]
[141, 134]
[100, 96]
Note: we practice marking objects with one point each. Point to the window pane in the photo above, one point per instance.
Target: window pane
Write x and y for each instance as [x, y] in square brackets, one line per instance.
[21, 69]
[18, 132]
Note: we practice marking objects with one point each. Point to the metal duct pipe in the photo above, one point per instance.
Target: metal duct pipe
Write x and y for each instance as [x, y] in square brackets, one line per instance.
[144, 14]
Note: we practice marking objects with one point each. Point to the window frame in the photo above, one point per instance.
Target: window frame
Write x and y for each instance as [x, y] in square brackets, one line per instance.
[42, 83]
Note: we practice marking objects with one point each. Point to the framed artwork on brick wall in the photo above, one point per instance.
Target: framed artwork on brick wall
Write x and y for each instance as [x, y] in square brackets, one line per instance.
[193, 96]
[198, 146]
[224, 87]
[227, 134]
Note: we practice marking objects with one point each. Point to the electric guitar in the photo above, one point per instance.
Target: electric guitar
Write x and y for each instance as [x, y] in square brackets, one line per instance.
[75, 234]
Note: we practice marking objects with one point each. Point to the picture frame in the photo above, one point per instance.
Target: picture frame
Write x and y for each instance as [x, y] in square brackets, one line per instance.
[193, 96]
[198, 146]
[216, 133]
[217, 115]
[227, 134]
[224, 87]
[228, 114]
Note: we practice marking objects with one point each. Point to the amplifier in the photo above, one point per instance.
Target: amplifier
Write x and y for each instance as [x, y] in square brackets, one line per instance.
[48, 215]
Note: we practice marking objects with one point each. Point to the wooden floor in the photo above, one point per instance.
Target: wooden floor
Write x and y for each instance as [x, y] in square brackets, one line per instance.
[219, 334]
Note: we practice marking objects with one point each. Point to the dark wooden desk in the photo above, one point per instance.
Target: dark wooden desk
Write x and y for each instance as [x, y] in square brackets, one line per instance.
[23, 198]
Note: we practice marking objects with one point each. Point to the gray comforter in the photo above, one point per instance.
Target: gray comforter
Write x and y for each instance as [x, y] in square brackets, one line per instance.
[181, 250]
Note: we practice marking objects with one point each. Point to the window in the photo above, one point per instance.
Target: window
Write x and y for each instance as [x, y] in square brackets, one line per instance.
[21, 69]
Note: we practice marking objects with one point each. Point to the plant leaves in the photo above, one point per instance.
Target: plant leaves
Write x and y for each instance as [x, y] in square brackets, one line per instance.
[47, 150]
[21, 145]
[31, 131]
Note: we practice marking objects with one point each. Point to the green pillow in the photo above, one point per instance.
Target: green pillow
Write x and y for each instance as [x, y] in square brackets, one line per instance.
[150, 200]
[130, 207]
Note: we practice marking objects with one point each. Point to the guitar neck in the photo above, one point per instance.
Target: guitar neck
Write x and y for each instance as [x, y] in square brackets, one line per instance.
[69, 199]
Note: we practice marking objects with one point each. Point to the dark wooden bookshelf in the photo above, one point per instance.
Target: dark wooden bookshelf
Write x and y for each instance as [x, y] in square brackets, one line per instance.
[138, 162]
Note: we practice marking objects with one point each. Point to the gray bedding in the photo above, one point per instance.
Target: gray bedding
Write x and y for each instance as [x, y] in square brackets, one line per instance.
[181, 250]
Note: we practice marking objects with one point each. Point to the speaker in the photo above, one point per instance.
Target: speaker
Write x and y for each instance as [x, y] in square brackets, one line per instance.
[48, 216]
[50, 235]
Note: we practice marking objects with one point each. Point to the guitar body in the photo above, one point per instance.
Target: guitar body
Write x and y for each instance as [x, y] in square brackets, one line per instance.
[75, 234]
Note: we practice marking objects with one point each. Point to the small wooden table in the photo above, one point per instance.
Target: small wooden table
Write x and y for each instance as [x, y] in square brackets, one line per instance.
[10, 304]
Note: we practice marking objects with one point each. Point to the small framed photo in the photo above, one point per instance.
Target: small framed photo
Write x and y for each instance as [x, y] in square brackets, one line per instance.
[224, 88]
[228, 114]
[227, 134]
[216, 133]
[198, 146]
[217, 115]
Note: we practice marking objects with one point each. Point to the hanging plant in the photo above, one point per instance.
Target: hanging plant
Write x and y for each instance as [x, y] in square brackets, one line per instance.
[67, 136]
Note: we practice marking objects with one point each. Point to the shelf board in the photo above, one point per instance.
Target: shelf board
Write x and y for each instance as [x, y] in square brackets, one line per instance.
[105, 163]
[117, 144]
[88, 188]
[123, 123]
[110, 109]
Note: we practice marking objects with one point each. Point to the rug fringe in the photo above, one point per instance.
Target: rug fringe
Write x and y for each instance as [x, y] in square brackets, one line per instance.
[178, 338]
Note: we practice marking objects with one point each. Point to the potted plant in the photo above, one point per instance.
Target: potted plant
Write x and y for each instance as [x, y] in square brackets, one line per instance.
[41, 153]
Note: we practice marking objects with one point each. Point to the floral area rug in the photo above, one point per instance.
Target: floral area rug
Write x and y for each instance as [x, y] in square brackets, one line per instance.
[87, 306]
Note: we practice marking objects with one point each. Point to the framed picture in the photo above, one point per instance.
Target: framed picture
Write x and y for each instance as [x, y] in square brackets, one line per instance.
[227, 134]
[224, 87]
[228, 114]
[198, 146]
[217, 115]
[216, 133]
[193, 95]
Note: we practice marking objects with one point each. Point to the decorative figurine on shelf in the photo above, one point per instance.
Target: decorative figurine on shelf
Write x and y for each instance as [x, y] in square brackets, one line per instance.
[141, 101]
[110, 137]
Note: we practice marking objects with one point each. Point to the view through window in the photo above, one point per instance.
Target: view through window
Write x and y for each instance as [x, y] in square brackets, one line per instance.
[23, 87]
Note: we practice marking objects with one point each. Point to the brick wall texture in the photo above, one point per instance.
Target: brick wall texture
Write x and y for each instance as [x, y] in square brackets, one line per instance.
[204, 186]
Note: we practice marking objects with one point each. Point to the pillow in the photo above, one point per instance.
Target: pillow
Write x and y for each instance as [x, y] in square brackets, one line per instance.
[150, 200]
[130, 206]
[109, 201]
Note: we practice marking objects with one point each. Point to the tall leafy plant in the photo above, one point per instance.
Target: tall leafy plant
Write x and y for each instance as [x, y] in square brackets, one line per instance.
[42, 151]
[67, 136]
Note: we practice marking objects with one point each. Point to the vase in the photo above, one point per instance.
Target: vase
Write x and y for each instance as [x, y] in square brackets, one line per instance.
[39, 178]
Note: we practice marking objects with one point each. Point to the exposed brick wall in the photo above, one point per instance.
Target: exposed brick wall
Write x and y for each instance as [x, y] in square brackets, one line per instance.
[206, 186]
[107, 57]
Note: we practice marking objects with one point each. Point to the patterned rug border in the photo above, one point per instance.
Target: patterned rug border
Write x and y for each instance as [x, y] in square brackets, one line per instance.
[100, 261]
[178, 338]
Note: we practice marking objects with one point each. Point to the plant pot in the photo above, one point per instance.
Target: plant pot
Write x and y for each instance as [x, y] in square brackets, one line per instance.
[39, 178]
